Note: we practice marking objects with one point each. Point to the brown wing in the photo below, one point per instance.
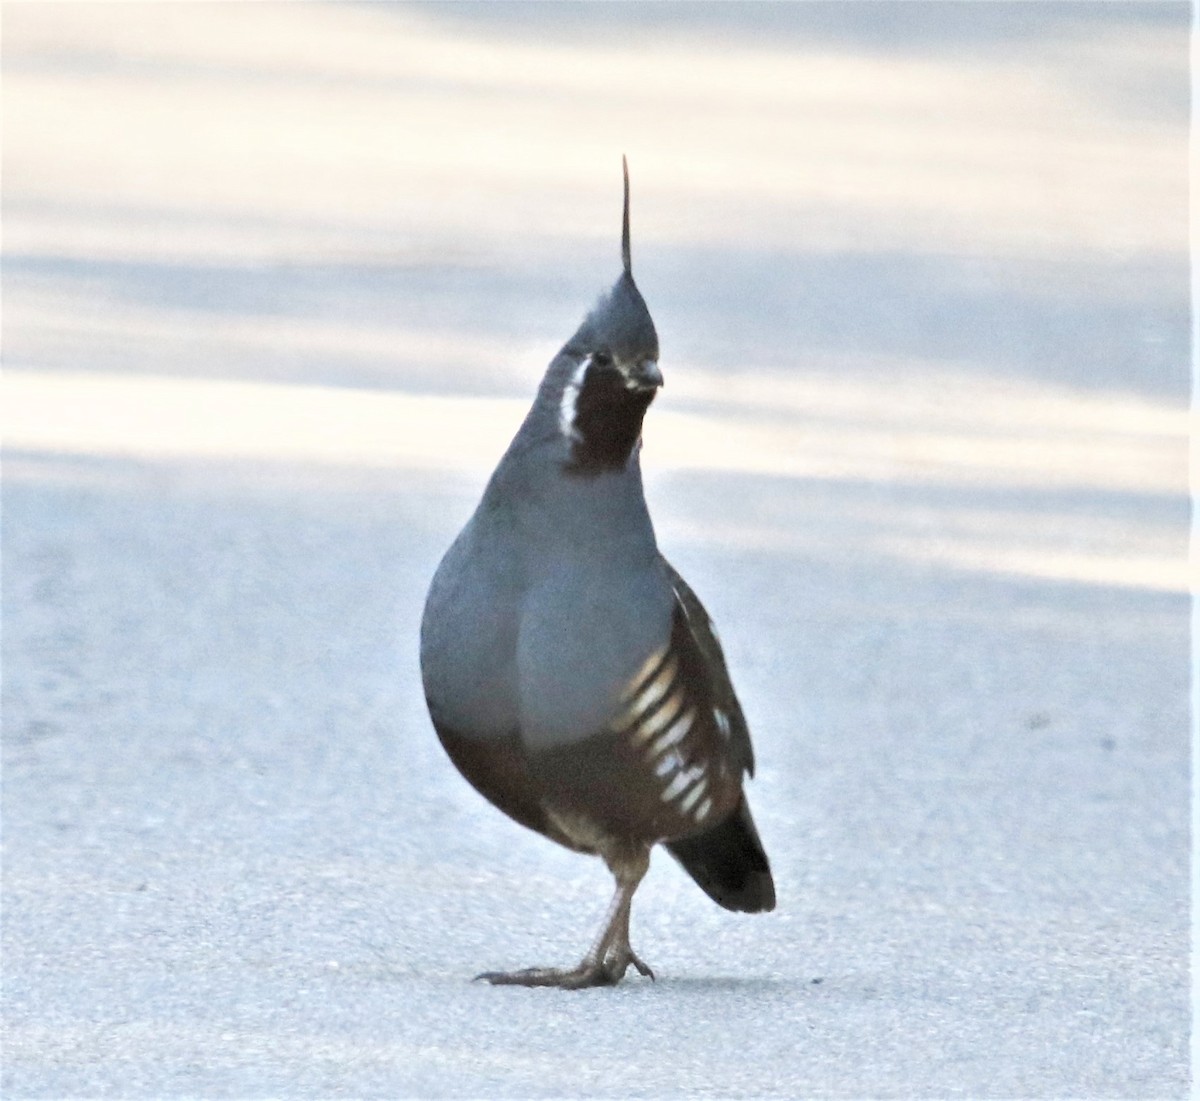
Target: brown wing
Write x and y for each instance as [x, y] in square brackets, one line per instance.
[707, 661]
[668, 766]
[670, 763]
[682, 717]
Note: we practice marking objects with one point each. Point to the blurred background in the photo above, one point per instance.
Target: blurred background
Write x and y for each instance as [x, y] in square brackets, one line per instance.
[278, 283]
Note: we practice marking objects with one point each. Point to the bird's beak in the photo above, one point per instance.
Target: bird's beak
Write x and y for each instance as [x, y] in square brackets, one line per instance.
[645, 375]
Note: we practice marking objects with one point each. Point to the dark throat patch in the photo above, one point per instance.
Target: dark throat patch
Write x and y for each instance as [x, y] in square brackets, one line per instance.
[607, 420]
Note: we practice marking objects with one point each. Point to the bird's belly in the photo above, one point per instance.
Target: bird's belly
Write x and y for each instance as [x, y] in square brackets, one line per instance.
[497, 768]
[620, 788]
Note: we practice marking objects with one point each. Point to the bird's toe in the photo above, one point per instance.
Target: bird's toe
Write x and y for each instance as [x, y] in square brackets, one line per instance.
[618, 961]
[528, 976]
[605, 972]
[643, 968]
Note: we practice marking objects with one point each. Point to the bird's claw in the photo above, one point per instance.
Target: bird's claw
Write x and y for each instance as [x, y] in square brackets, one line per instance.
[642, 967]
[602, 972]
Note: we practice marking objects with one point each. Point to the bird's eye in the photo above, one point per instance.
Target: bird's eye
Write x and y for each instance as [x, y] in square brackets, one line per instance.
[602, 359]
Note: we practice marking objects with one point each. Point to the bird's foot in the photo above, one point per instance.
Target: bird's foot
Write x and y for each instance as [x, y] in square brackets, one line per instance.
[576, 978]
[620, 957]
[591, 972]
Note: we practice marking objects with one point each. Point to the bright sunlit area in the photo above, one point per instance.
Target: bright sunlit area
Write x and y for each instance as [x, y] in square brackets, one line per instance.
[279, 283]
[898, 263]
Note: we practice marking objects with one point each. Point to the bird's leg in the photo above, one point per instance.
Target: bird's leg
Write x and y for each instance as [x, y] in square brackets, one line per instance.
[609, 957]
[611, 953]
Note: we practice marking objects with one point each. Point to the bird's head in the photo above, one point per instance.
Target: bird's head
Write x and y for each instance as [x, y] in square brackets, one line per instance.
[616, 374]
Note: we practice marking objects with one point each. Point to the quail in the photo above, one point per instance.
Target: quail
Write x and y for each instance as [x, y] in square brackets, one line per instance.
[571, 674]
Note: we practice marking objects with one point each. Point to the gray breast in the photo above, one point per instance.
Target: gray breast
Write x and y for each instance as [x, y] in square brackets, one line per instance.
[469, 637]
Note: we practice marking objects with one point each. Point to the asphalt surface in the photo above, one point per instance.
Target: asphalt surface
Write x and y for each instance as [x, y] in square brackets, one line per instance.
[274, 299]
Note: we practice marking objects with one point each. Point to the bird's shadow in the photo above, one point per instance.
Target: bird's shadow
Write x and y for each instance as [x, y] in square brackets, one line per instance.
[709, 984]
[390, 969]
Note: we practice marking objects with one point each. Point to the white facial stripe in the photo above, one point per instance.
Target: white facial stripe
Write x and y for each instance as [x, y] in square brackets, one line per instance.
[566, 408]
[706, 804]
[722, 722]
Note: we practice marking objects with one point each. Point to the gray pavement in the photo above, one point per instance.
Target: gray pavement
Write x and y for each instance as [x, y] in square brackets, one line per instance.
[937, 507]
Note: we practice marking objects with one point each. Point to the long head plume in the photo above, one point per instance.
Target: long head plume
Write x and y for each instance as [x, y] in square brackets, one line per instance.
[625, 221]
[619, 326]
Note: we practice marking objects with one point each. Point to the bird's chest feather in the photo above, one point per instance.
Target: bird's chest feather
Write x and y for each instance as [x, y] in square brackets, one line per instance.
[469, 638]
[584, 632]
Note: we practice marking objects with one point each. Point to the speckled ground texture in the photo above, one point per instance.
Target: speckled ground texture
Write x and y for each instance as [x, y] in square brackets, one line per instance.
[920, 278]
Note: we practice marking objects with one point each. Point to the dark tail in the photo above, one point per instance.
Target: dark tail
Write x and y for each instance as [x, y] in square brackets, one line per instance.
[729, 864]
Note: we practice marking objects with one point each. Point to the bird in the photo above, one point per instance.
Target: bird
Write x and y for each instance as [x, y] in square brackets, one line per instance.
[571, 674]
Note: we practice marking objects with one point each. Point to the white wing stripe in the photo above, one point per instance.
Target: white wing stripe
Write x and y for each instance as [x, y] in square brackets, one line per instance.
[674, 734]
[684, 780]
[690, 800]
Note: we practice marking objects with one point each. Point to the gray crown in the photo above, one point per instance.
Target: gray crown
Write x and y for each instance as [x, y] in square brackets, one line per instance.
[572, 675]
